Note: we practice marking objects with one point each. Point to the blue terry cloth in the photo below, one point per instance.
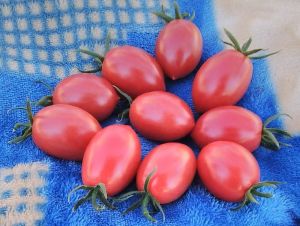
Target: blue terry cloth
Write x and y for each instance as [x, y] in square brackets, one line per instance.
[37, 40]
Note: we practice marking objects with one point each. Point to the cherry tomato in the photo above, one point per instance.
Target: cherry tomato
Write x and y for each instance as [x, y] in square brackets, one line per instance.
[179, 48]
[229, 123]
[64, 131]
[112, 158]
[174, 166]
[133, 70]
[237, 124]
[88, 92]
[227, 170]
[161, 116]
[225, 77]
[222, 80]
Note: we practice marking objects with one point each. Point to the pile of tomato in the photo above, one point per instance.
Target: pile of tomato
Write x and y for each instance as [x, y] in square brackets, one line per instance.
[68, 126]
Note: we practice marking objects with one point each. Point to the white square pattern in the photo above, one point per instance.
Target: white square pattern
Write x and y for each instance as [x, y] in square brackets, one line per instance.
[35, 8]
[8, 25]
[29, 34]
[52, 24]
[19, 193]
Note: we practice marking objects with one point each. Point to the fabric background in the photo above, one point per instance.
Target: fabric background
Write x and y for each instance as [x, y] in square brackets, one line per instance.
[37, 41]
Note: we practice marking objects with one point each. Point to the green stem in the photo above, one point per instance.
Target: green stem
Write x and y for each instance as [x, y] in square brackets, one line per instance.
[94, 193]
[92, 54]
[97, 57]
[178, 15]
[145, 199]
[45, 84]
[124, 113]
[246, 45]
[244, 49]
[252, 191]
[269, 139]
[16, 108]
[45, 101]
[26, 127]
[90, 71]
[123, 94]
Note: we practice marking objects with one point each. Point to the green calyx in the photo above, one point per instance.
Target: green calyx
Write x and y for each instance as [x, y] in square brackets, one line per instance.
[178, 15]
[145, 198]
[45, 100]
[99, 59]
[252, 191]
[93, 194]
[244, 49]
[26, 127]
[269, 139]
[123, 94]
[124, 113]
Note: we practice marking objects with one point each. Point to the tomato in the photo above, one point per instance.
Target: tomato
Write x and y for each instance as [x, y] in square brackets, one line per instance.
[222, 80]
[227, 170]
[133, 70]
[231, 173]
[179, 48]
[109, 164]
[175, 167]
[64, 131]
[112, 158]
[179, 44]
[229, 123]
[237, 124]
[163, 176]
[88, 92]
[161, 116]
[225, 77]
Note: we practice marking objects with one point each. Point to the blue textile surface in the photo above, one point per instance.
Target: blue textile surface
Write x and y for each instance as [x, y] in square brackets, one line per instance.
[197, 206]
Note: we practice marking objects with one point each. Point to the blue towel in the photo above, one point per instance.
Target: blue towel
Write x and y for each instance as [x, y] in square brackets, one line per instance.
[37, 41]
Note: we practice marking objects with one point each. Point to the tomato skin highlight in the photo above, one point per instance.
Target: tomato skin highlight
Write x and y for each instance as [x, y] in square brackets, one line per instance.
[227, 170]
[64, 131]
[222, 80]
[229, 123]
[88, 92]
[175, 165]
[161, 116]
[133, 70]
[179, 48]
[112, 158]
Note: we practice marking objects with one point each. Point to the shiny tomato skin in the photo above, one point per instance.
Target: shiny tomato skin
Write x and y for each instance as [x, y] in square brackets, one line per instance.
[133, 70]
[227, 170]
[175, 165]
[179, 48]
[161, 116]
[222, 80]
[64, 131]
[229, 123]
[88, 92]
[112, 158]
